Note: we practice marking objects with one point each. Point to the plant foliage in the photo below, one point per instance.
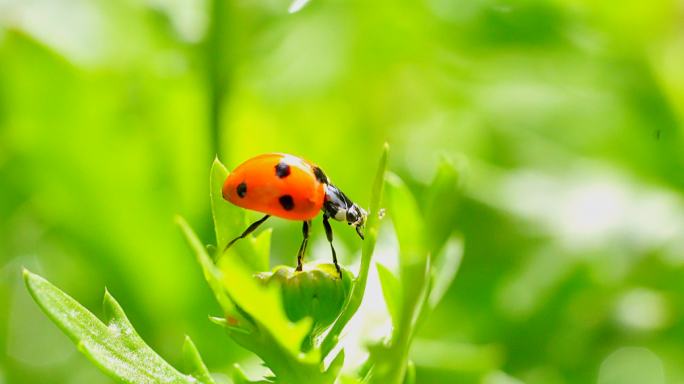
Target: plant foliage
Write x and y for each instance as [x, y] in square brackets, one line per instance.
[113, 346]
[282, 315]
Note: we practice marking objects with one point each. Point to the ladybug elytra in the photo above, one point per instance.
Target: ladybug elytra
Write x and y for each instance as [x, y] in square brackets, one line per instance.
[292, 188]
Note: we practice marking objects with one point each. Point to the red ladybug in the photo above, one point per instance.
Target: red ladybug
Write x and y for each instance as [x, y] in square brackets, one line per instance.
[293, 188]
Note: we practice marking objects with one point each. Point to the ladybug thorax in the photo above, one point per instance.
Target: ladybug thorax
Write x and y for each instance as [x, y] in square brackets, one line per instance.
[339, 207]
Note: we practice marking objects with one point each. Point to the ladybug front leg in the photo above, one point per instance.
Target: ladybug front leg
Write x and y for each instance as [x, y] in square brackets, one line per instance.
[329, 234]
[306, 230]
[249, 230]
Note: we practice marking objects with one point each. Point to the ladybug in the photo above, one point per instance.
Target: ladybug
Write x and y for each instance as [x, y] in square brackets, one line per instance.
[293, 188]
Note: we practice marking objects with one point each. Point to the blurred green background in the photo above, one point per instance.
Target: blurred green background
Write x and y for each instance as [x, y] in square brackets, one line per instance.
[565, 115]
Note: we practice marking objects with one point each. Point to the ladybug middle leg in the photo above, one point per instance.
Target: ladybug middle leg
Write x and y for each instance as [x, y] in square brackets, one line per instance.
[306, 230]
[329, 234]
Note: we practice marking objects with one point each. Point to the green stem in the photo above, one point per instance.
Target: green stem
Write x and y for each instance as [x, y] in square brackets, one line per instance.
[217, 68]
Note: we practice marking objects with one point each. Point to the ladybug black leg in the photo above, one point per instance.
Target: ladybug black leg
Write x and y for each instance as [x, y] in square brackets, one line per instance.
[329, 234]
[306, 230]
[249, 230]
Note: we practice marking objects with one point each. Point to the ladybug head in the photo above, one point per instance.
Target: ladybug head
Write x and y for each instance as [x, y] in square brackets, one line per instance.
[356, 217]
[339, 207]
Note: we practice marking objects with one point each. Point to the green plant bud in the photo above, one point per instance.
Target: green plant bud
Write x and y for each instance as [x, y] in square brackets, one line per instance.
[317, 291]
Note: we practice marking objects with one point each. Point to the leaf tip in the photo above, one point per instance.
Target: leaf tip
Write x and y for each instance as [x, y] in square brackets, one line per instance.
[392, 178]
[27, 278]
[30, 279]
[81, 346]
[178, 219]
[188, 345]
[239, 375]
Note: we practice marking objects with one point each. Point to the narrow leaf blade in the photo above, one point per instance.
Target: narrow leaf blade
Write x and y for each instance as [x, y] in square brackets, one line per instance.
[442, 199]
[409, 227]
[194, 365]
[392, 292]
[230, 221]
[444, 273]
[239, 377]
[371, 237]
[226, 218]
[407, 219]
[410, 377]
[213, 275]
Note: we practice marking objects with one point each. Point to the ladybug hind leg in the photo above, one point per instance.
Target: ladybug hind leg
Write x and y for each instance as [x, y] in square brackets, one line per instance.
[306, 231]
[329, 234]
[247, 231]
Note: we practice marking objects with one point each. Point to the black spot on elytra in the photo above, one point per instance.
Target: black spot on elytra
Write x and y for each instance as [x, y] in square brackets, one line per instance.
[320, 175]
[287, 202]
[282, 170]
[242, 189]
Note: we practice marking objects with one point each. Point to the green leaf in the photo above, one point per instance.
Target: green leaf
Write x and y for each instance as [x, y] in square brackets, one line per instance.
[445, 269]
[441, 277]
[226, 216]
[230, 221]
[410, 377]
[391, 360]
[392, 292]
[256, 319]
[407, 219]
[371, 237]
[224, 323]
[336, 365]
[213, 275]
[239, 377]
[194, 364]
[441, 201]
[409, 227]
[349, 380]
[114, 347]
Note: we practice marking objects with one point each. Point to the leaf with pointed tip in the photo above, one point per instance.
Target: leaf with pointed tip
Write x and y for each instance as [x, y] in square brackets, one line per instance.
[441, 200]
[443, 273]
[407, 219]
[392, 292]
[230, 221]
[371, 237]
[410, 377]
[409, 227]
[440, 278]
[336, 365]
[225, 324]
[115, 347]
[193, 363]
[350, 380]
[213, 275]
[239, 377]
